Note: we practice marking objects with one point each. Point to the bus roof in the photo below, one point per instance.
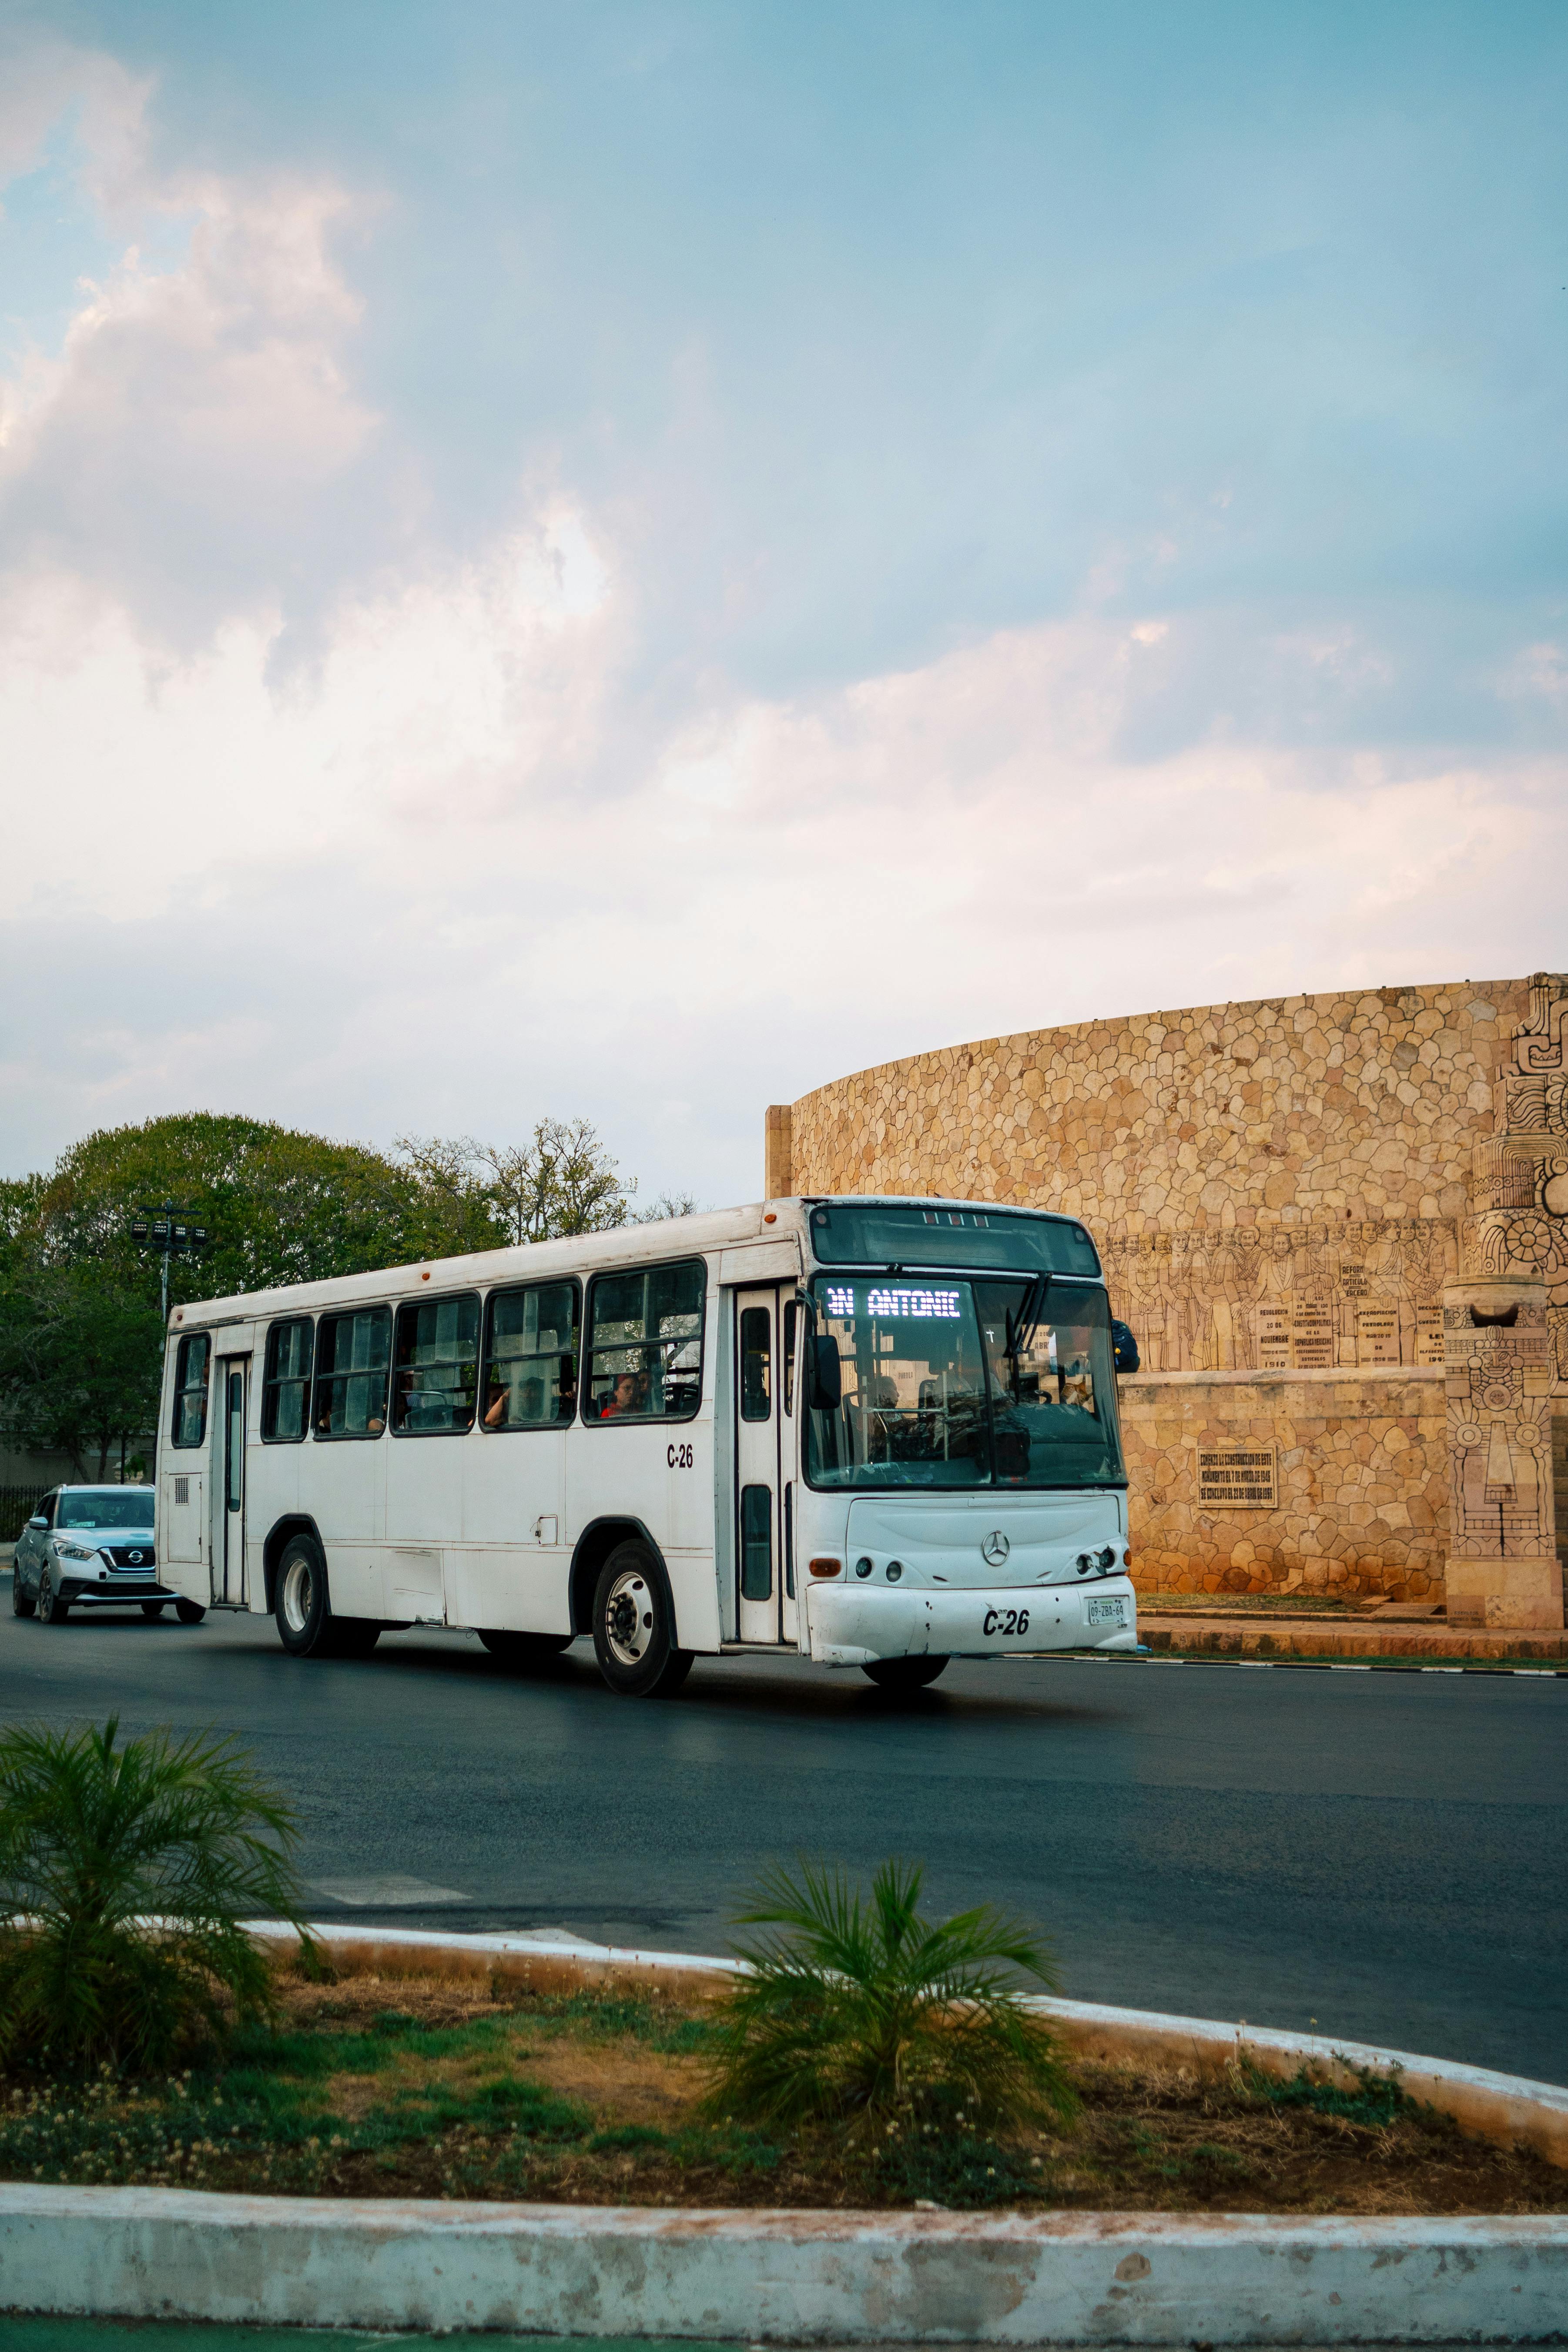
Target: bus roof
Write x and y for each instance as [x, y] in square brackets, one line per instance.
[631, 1245]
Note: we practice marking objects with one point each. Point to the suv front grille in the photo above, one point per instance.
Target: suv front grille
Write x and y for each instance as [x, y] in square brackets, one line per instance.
[133, 1556]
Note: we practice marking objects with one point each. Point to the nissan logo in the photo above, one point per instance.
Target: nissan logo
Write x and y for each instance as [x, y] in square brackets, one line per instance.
[134, 1557]
[995, 1549]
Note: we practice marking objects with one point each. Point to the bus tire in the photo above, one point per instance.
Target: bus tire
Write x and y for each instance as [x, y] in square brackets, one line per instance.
[189, 1612]
[306, 1625]
[633, 1626]
[526, 1651]
[904, 1674]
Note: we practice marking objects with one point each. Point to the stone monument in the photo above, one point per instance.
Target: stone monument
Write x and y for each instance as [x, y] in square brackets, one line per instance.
[1503, 1569]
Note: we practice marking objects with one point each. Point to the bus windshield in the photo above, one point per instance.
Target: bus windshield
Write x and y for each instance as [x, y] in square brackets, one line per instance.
[948, 1381]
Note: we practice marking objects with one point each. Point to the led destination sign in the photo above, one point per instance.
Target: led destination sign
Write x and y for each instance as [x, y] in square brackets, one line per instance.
[914, 1306]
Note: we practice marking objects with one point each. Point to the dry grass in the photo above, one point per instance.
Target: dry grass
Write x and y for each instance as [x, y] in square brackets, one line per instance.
[427, 2086]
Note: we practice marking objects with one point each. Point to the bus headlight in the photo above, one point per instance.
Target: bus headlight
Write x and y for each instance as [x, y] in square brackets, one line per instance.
[895, 1569]
[863, 1567]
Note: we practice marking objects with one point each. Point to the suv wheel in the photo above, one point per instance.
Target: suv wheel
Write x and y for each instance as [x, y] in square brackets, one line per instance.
[52, 1609]
[306, 1625]
[634, 1627]
[22, 1601]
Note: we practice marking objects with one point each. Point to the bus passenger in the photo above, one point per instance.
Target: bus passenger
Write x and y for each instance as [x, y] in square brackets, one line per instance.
[626, 1398]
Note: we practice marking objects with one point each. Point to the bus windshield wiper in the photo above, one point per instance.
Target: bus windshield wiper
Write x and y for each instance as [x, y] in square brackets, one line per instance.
[1022, 1327]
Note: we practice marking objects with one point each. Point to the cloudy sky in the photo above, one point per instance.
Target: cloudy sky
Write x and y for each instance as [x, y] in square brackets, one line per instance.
[630, 560]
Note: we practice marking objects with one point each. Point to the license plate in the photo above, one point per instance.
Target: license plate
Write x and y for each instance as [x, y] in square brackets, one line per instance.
[1108, 1613]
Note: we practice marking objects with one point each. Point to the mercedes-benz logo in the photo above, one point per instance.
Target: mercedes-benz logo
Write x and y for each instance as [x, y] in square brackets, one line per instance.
[995, 1549]
[135, 1558]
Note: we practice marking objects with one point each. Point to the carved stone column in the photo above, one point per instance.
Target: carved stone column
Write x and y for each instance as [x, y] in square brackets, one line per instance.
[1503, 1569]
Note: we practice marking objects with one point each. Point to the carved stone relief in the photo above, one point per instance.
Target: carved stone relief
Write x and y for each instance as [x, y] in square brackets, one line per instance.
[1286, 1297]
[1502, 1566]
[1517, 1221]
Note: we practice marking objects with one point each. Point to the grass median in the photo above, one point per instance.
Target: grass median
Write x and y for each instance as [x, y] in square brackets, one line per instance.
[378, 2087]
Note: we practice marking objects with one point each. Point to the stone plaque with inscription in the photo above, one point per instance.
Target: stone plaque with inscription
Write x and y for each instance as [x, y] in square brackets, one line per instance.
[1274, 1336]
[1377, 1334]
[1238, 1478]
[1312, 1335]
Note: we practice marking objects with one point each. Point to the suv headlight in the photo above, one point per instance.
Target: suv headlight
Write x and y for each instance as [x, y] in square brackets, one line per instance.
[74, 1552]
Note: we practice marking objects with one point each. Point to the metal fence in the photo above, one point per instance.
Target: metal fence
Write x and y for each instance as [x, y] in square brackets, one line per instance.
[18, 1505]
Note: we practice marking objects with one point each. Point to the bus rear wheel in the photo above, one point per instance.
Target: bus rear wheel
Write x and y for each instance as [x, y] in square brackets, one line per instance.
[527, 1652]
[634, 1627]
[306, 1625]
[904, 1674]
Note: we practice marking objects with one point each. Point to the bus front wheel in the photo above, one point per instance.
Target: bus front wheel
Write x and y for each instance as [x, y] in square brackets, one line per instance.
[634, 1627]
[904, 1674]
[306, 1625]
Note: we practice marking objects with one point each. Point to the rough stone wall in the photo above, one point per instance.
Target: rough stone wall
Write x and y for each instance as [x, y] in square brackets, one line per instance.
[1362, 1478]
[1278, 1187]
[1299, 1108]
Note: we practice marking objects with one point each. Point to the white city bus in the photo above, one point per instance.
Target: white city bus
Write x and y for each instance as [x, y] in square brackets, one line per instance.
[882, 1433]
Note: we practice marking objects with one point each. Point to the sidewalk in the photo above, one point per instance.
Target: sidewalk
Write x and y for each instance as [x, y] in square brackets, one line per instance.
[1232, 1633]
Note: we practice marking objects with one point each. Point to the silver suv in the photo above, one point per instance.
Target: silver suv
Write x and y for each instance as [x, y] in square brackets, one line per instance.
[92, 1547]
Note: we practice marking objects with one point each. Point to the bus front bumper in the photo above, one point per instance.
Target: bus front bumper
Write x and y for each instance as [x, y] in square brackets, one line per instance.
[854, 1624]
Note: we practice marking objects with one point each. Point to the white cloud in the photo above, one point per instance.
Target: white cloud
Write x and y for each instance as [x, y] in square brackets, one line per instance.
[43, 83]
[400, 891]
[197, 447]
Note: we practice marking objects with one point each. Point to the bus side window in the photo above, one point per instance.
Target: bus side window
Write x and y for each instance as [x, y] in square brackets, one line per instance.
[530, 1356]
[351, 1372]
[645, 1343]
[756, 1364]
[435, 1361]
[286, 1383]
[190, 1425]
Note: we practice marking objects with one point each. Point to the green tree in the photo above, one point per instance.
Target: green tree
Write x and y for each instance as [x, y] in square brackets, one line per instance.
[282, 1206]
[81, 1333]
[81, 1355]
[561, 1180]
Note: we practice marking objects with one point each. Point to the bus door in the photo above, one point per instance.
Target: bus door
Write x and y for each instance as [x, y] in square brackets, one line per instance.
[228, 1483]
[764, 1570]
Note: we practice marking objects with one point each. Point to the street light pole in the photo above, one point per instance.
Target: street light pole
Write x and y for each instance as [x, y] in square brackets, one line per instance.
[158, 1229]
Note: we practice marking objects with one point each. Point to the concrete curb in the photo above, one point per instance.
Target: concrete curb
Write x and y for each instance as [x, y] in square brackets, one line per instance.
[845, 2278]
[1503, 2107]
[811, 2278]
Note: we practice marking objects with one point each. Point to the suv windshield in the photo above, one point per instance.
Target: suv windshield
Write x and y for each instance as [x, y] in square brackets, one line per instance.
[111, 1506]
[961, 1383]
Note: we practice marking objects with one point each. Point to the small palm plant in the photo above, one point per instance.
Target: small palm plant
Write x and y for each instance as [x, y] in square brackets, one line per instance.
[858, 2014]
[125, 1874]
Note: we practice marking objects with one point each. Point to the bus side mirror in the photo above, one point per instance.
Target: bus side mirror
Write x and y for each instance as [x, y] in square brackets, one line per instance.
[1124, 1346]
[826, 1380]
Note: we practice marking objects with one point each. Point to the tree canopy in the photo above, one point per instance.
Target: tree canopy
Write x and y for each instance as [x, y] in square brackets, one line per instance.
[80, 1338]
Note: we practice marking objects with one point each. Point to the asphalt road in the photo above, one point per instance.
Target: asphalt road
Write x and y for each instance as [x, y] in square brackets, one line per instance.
[1381, 1854]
